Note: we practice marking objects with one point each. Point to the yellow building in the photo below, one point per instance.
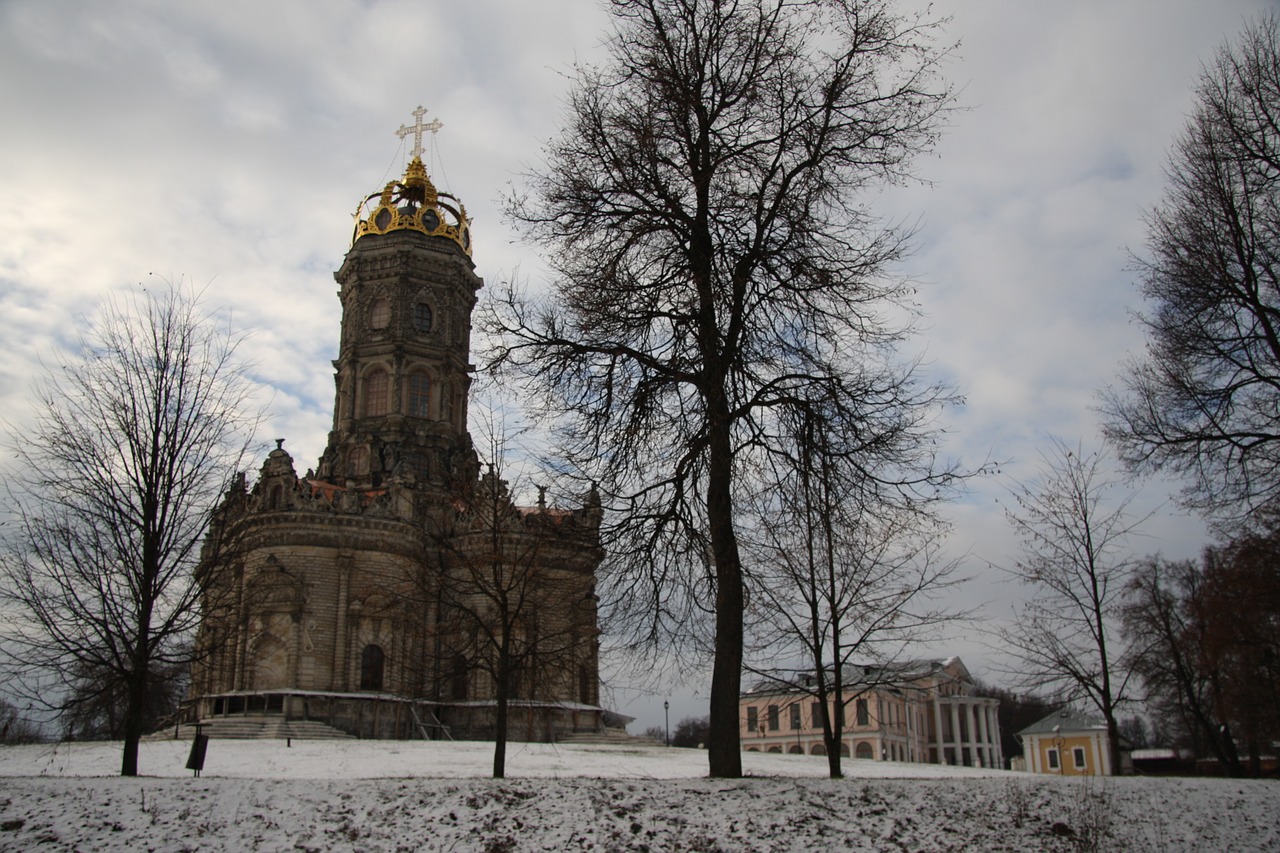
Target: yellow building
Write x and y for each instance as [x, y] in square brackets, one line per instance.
[1067, 743]
[919, 711]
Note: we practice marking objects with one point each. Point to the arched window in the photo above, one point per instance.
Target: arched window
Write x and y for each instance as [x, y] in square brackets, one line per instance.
[371, 665]
[276, 496]
[419, 395]
[379, 313]
[375, 394]
[863, 750]
[422, 317]
[459, 677]
[515, 681]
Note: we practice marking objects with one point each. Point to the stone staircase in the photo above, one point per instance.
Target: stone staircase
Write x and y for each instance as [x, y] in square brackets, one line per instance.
[256, 728]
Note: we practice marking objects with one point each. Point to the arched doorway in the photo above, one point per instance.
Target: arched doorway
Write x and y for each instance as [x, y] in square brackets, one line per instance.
[372, 662]
[863, 750]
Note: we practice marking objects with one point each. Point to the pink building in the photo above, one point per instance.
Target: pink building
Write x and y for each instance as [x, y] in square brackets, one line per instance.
[921, 711]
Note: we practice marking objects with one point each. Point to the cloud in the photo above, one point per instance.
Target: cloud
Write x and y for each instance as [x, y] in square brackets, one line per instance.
[230, 142]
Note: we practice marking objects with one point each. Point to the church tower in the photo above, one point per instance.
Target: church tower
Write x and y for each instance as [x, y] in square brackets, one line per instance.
[408, 286]
[351, 595]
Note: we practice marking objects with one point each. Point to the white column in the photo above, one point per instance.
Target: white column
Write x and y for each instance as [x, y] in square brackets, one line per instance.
[955, 732]
[993, 727]
[995, 736]
[909, 725]
[971, 730]
[984, 742]
[937, 731]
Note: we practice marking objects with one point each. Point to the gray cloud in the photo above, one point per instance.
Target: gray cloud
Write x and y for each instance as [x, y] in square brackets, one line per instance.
[229, 143]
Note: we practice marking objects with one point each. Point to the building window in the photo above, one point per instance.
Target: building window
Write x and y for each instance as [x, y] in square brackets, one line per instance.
[863, 717]
[795, 716]
[863, 750]
[773, 718]
[753, 718]
[1052, 755]
[816, 710]
[515, 681]
[371, 665]
[584, 685]
[1077, 756]
[459, 677]
[419, 395]
[375, 394]
[379, 314]
[422, 317]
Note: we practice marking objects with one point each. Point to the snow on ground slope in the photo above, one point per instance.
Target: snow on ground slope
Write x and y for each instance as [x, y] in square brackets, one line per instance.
[386, 795]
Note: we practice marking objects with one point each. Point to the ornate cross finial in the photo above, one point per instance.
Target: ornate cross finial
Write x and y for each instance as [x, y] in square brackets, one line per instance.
[418, 129]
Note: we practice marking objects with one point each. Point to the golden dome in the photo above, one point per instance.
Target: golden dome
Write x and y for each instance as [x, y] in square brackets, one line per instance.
[413, 204]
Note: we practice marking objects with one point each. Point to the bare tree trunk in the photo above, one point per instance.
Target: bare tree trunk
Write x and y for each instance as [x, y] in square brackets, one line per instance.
[723, 747]
[503, 696]
[137, 699]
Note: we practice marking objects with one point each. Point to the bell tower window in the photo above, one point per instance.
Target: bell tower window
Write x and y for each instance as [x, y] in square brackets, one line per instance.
[419, 395]
[422, 317]
[379, 313]
[375, 394]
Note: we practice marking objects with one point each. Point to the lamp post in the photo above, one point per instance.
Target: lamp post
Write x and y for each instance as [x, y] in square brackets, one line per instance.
[666, 715]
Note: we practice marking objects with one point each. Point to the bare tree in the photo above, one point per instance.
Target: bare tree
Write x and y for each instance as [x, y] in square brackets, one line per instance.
[514, 600]
[843, 575]
[15, 727]
[714, 258]
[1076, 563]
[97, 707]
[110, 496]
[1166, 627]
[1204, 402]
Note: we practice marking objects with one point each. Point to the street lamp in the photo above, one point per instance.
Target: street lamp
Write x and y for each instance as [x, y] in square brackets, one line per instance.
[666, 714]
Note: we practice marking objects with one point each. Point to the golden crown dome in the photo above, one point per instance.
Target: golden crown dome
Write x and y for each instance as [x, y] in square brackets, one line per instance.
[414, 204]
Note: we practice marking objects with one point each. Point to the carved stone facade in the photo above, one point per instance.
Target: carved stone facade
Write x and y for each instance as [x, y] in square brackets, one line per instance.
[372, 592]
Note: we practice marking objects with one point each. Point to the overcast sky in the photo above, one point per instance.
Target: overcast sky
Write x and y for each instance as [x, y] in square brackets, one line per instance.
[229, 142]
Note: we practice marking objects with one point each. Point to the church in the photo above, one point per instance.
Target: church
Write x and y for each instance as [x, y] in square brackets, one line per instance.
[396, 590]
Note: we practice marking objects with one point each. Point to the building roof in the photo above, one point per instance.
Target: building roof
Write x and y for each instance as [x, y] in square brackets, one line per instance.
[1066, 720]
[896, 673]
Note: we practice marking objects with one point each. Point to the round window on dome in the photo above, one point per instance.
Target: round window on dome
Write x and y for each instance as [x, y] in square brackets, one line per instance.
[379, 314]
[422, 317]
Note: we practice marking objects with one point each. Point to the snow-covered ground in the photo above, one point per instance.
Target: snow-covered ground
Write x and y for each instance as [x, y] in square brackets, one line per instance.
[391, 795]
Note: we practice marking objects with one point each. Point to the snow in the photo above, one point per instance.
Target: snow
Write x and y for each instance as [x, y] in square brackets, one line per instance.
[398, 795]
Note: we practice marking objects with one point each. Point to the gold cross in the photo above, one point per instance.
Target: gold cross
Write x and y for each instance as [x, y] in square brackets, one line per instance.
[418, 129]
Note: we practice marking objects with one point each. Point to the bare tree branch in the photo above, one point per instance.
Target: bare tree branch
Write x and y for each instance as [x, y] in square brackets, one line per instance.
[110, 499]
